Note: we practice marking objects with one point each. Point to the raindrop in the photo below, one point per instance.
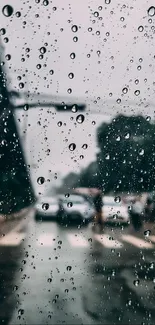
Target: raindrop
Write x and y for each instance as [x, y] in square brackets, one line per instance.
[38, 66]
[97, 32]
[125, 90]
[40, 180]
[136, 282]
[151, 11]
[136, 81]
[93, 122]
[127, 135]
[69, 90]
[117, 199]
[118, 101]
[21, 85]
[49, 280]
[96, 14]
[59, 123]
[75, 39]
[18, 14]
[137, 92]
[71, 75]
[74, 28]
[20, 312]
[139, 67]
[122, 18]
[26, 107]
[90, 29]
[152, 265]
[84, 146]
[141, 152]
[69, 268]
[107, 2]
[51, 72]
[45, 206]
[148, 118]
[69, 204]
[15, 288]
[7, 11]
[80, 118]
[147, 233]
[140, 28]
[72, 55]
[8, 57]
[45, 2]
[43, 50]
[107, 156]
[2, 31]
[81, 156]
[90, 240]
[67, 195]
[72, 146]
[118, 138]
[74, 109]
[54, 301]
[100, 8]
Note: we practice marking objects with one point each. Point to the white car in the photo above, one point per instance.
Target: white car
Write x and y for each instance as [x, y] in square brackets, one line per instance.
[46, 208]
[114, 211]
[75, 208]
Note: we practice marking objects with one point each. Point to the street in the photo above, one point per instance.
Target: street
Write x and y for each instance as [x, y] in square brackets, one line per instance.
[56, 275]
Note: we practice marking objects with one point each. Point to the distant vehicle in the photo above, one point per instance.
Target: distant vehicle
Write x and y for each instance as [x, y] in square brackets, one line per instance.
[46, 208]
[75, 208]
[114, 212]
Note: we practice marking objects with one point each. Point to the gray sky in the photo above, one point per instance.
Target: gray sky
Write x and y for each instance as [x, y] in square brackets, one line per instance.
[125, 54]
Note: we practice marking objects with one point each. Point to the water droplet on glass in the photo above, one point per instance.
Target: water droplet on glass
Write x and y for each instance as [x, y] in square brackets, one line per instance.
[40, 180]
[80, 118]
[107, 156]
[69, 204]
[74, 109]
[45, 2]
[69, 268]
[147, 233]
[20, 312]
[117, 199]
[100, 8]
[139, 67]
[136, 81]
[136, 282]
[90, 29]
[38, 66]
[75, 39]
[59, 123]
[137, 92]
[72, 55]
[93, 122]
[140, 28]
[26, 107]
[148, 118]
[127, 135]
[125, 90]
[21, 85]
[15, 288]
[45, 206]
[7, 10]
[141, 152]
[18, 14]
[118, 101]
[8, 57]
[69, 90]
[118, 138]
[96, 14]
[81, 156]
[49, 280]
[74, 28]
[84, 146]
[67, 195]
[72, 146]
[43, 50]
[107, 2]
[2, 31]
[151, 11]
[71, 75]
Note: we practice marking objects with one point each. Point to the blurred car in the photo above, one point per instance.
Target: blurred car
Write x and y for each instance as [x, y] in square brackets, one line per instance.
[75, 208]
[46, 208]
[113, 211]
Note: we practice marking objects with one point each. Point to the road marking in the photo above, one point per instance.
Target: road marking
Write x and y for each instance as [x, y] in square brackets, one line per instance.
[12, 239]
[106, 241]
[136, 241]
[77, 240]
[45, 240]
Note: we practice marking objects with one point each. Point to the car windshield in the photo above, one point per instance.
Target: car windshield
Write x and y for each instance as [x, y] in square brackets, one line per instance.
[77, 148]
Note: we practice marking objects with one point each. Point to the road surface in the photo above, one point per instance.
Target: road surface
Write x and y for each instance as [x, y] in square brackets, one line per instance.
[58, 275]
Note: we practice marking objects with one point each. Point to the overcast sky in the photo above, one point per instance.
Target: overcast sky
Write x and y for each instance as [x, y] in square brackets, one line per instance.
[110, 54]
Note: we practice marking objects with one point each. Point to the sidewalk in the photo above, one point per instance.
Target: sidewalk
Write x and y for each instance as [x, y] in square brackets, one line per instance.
[9, 222]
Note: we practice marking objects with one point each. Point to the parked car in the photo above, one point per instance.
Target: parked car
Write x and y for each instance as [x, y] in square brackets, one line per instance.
[75, 208]
[114, 211]
[46, 208]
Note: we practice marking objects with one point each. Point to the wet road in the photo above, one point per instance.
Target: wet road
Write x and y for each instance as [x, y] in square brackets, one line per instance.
[55, 275]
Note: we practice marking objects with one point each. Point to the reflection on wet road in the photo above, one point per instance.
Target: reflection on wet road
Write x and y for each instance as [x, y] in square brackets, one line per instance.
[56, 275]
